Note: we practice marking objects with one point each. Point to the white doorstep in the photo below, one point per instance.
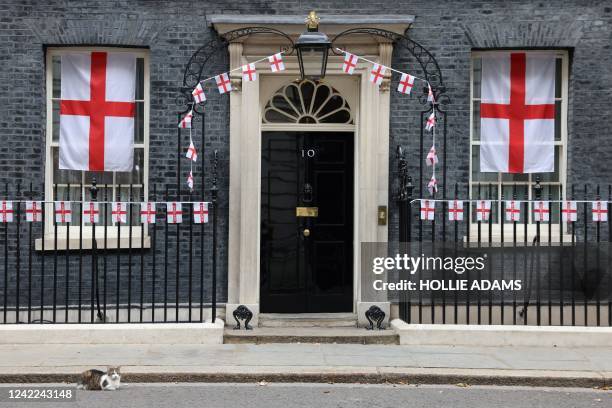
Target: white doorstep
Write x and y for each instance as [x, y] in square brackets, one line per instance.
[141, 333]
[501, 335]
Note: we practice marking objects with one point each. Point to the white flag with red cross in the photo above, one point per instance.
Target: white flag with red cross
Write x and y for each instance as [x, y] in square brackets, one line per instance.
[147, 213]
[249, 73]
[430, 94]
[63, 212]
[428, 210]
[455, 210]
[200, 213]
[600, 211]
[569, 211]
[34, 210]
[276, 62]
[97, 111]
[541, 211]
[91, 212]
[405, 84]
[198, 94]
[185, 122]
[6, 211]
[192, 153]
[119, 213]
[190, 180]
[432, 157]
[517, 113]
[513, 211]
[432, 186]
[483, 210]
[350, 62]
[377, 74]
[223, 83]
[431, 121]
[174, 212]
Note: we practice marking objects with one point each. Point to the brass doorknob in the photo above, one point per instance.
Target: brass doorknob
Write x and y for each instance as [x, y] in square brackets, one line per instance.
[306, 232]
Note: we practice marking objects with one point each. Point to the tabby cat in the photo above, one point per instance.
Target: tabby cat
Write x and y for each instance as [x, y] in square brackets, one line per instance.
[100, 380]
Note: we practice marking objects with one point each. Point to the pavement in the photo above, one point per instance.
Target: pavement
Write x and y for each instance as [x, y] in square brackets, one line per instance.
[325, 395]
[319, 363]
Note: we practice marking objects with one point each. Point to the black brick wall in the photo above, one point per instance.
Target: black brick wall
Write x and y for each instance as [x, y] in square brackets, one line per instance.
[173, 30]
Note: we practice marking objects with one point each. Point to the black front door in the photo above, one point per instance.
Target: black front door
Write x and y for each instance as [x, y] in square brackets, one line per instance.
[307, 222]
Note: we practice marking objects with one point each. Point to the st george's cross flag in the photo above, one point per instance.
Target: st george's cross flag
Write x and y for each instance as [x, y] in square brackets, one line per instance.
[97, 111]
[223, 83]
[119, 213]
[63, 212]
[377, 74]
[249, 73]
[34, 211]
[91, 212]
[541, 211]
[198, 94]
[483, 210]
[6, 211]
[192, 153]
[148, 213]
[600, 211]
[405, 84]
[517, 113]
[513, 211]
[276, 62]
[428, 210]
[455, 210]
[431, 121]
[185, 122]
[200, 213]
[569, 211]
[350, 62]
[174, 212]
[432, 157]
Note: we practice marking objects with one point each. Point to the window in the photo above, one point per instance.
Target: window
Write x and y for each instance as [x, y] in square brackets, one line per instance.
[498, 186]
[112, 186]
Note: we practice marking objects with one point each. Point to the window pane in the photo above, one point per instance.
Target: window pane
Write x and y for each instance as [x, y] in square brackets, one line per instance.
[102, 177]
[515, 177]
[139, 124]
[558, 120]
[63, 176]
[558, 77]
[137, 174]
[55, 119]
[477, 76]
[515, 192]
[140, 78]
[55, 61]
[476, 121]
[476, 174]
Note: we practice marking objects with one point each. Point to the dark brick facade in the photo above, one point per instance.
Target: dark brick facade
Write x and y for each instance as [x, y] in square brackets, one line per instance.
[173, 30]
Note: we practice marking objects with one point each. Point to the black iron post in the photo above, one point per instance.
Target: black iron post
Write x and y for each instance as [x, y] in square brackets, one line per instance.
[214, 190]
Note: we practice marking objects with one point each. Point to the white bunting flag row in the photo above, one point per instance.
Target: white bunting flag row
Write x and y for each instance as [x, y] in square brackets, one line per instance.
[90, 212]
[512, 210]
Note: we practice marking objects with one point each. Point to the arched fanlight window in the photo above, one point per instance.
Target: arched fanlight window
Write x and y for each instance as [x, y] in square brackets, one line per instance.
[307, 102]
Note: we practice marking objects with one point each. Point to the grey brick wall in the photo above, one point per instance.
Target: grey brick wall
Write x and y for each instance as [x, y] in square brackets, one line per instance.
[173, 30]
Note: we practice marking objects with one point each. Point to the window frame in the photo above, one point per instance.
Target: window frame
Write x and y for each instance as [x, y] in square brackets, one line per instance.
[111, 230]
[563, 55]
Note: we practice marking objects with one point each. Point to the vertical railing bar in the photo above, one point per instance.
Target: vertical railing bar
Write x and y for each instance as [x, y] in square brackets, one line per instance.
[573, 270]
[18, 254]
[456, 236]
[479, 246]
[94, 260]
[202, 253]
[550, 222]
[491, 262]
[5, 288]
[609, 263]
[514, 246]
[166, 262]
[178, 259]
[118, 272]
[142, 249]
[432, 298]
[584, 257]
[527, 297]
[502, 262]
[468, 233]
[538, 198]
[67, 276]
[105, 270]
[597, 262]
[214, 254]
[55, 255]
[80, 283]
[129, 294]
[31, 249]
[561, 231]
[42, 258]
[190, 283]
[154, 253]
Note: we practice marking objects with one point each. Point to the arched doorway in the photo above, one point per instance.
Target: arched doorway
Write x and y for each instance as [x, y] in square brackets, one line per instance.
[307, 200]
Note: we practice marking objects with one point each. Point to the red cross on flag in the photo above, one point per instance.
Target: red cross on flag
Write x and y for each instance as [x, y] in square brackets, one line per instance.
[276, 62]
[97, 111]
[483, 210]
[431, 121]
[174, 211]
[377, 74]
[63, 213]
[405, 84]
[119, 213]
[600, 211]
[350, 62]
[34, 211]
[541, 211]
[6, 211]
[200, 213]
[569, 211]
[91, 212]
[192, 153]
[223, 83]
[517, 113]
[190, 180]
[249, 73]
[455, 210]
[198, 94]
[428, 210]
[513, 211]
[432, 157]
[147, 213]
[432, 186]
[185, 123]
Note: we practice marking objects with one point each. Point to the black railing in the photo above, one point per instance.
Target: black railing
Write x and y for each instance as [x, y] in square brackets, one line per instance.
[138, 272]
[564, 267]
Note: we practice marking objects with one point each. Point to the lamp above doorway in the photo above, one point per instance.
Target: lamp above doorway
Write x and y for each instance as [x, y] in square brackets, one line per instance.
[312, 49]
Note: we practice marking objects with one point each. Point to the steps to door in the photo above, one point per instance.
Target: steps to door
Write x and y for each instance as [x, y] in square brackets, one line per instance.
[308, 320]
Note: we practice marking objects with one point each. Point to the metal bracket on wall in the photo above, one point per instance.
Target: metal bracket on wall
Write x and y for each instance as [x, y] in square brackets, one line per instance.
[375, 314]
[243, 313]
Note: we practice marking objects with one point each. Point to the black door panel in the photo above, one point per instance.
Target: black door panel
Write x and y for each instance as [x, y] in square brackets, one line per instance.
[311, 272]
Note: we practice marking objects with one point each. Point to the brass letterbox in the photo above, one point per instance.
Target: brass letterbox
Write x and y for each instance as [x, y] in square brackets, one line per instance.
[306, 211]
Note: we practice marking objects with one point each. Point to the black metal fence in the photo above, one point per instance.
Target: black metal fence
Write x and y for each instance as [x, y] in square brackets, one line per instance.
[564, 267]
[57, 272]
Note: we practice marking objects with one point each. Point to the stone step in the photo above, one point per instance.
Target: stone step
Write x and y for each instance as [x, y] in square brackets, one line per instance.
[338, 335]
[308, 320]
